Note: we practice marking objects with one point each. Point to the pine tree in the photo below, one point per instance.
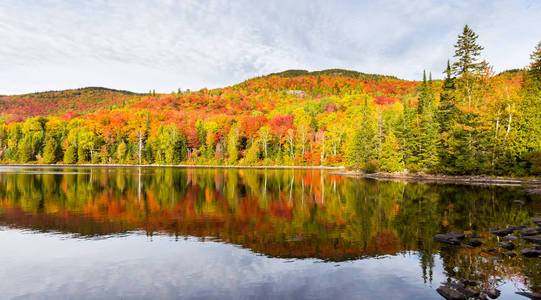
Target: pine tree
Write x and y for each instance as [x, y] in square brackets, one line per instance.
[535, 68]
[391, 159]
[447, 108]
[467, 51]
[423, 95]
[362, 148]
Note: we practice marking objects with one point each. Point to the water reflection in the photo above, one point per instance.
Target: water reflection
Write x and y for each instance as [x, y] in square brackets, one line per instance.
[277, 213]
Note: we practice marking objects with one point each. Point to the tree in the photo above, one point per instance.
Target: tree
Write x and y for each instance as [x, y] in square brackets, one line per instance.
[85, 146]
[70, 157]
[169, 145]
[467, 51]
[363, 145]
[447, 108]
[252, 154]
[264, 136]
[232, 144]
[50, 152]
[535, 67]
[25, 150]
[391, 160]
[121, 152]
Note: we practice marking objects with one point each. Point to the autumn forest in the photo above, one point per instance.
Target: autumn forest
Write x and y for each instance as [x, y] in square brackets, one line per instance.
[472, 122]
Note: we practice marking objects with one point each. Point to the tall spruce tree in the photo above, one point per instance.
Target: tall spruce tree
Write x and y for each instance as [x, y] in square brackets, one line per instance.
[423, 95]
[535, 68]
[446, 119]
[467, 52]
[390, 158]
[363, 146]
[427, 132]
[447, 108]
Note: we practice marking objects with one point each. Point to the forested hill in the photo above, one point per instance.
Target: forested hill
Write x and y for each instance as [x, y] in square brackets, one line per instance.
[79, 101]
[473, 122]
[332, 72]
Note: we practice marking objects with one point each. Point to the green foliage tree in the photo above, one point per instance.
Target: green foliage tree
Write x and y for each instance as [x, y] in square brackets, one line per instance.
[121, 152]
[50, 152]
[232, 145]
[362, 149]
[253, 153]
[535, 68]
[169, 145]
[70, 156]
[25, 150]
[391, 159]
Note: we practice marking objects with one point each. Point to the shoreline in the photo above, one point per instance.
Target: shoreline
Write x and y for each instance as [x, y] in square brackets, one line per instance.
[167, 166]
[533, 185]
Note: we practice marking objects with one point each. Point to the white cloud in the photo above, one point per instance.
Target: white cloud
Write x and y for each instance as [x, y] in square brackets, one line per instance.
[164, 45]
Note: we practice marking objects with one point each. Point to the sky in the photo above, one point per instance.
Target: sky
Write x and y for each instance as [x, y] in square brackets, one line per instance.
[190, 44]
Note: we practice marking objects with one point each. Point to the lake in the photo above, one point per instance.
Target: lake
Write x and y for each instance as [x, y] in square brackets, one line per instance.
[148, 233]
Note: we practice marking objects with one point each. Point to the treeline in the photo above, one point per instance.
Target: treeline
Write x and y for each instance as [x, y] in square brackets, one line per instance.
[472, 122]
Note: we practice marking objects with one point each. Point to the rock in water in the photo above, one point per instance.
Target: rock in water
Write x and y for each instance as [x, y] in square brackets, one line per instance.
[467, 282]
[511, 237]
[537, 221]
[502, 231]
[474, 243]
[493, 293]
[530, 252]
[507, 245]
[518, 202]
[483, 296]
[461, 288]
[446, 239]
[510, 254]
[536, 239]
[530, 231]
[456, 235]
[450, 294]
[535, 296]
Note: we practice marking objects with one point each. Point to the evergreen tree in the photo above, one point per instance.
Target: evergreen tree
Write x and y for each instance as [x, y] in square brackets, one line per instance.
[535, 68]
[363, 146]
[447, 108]
[467, 51]
[423, 95]
[391, 159]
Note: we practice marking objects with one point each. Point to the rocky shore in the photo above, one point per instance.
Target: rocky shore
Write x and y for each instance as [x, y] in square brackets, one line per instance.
[524, 240]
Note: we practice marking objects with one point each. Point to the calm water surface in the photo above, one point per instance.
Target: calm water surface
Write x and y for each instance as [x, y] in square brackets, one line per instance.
[101, 233]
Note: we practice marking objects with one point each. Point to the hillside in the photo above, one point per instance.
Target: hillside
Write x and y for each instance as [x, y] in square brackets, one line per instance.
[332, 72]
[80, 101]
[331, 117]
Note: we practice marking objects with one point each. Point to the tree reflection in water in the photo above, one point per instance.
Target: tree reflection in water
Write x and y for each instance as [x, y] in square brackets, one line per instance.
[279, 213]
